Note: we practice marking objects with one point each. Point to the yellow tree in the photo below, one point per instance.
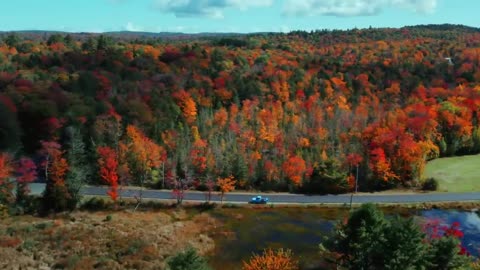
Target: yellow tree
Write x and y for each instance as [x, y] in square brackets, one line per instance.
[144, 155]
[225, 185]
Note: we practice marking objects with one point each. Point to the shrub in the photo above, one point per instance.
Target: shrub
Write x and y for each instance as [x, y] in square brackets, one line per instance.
[230, 205]
[29, 245]
[3, 211]
[56, 198]
[272, 260]
[187, 260]
[155, 205]
[28, 205]
[95, 204]
[135, 246]
[70, 262]
[430, 184]
[206, 206]
[43, 225]
[7, 242]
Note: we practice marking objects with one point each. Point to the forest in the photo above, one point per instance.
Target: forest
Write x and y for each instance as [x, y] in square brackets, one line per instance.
[301, 111]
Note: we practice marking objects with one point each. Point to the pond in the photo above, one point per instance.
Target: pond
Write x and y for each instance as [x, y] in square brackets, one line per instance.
[248, 231]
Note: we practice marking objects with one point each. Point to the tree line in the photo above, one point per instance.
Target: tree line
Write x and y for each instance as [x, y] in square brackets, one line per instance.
[304, 112]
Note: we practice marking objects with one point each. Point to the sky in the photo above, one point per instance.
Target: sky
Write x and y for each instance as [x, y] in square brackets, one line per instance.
[242, 16]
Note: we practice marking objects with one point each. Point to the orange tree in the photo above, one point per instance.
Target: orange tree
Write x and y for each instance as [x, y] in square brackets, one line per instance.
[145, 154]
[144, 157]
[294, 168]
[272, 260]
[56, 196]
[225, 185]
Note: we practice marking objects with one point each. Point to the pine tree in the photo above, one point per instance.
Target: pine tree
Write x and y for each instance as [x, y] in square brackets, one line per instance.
[80, 169]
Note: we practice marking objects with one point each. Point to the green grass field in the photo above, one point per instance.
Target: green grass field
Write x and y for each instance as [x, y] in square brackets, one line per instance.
[455, 174]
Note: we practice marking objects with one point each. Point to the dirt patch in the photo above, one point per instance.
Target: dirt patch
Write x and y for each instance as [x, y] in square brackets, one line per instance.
[102, 240]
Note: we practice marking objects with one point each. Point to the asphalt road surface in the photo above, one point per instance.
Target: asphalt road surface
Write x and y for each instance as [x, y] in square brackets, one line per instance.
[287, 198]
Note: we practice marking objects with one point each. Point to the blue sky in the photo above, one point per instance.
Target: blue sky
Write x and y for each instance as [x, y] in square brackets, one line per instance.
[192, 16]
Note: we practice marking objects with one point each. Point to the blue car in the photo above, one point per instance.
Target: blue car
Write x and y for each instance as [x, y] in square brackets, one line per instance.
[259, 200]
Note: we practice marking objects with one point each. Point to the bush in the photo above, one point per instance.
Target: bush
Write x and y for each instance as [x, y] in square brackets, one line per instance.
[430, 184]
[135, 246]
[28, 205]
[70, 262]
[29, 245]
[155, 205]
[187, 260]
[206, 206]
[230, 205]
[3, 211]
[95, 204]
[56, 198]
[43, 225]
[270, 259]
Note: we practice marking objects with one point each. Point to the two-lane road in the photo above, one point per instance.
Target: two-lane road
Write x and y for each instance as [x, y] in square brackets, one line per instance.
[288, 198]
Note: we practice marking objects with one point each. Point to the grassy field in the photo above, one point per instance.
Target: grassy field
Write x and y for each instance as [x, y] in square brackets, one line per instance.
[102, 240]
[456, 174]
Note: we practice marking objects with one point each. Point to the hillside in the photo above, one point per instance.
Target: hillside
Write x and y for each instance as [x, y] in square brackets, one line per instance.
[455, 174]
[303, 111]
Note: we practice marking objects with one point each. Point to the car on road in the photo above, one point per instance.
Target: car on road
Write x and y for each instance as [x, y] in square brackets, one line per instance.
[259, 200]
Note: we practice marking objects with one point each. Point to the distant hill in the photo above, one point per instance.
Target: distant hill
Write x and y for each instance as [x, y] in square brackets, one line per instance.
[444, 27]
[128, 35]
[132, 35]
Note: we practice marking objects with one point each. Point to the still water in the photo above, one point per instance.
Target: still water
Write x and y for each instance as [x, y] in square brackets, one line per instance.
[248, 231]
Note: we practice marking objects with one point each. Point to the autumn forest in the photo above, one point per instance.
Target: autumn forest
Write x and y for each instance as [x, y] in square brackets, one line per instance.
[301, 112]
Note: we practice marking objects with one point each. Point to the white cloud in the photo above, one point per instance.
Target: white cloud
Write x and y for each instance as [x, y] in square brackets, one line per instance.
[206, 8]
[353, 7]
[133, 28]
[94, 30]
[284, 29]
[420, 6]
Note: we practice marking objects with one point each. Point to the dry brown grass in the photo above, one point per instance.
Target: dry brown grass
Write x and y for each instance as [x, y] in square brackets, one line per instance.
[84, 240]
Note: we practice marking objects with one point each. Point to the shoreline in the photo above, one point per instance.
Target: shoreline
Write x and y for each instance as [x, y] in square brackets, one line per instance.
[155, 204]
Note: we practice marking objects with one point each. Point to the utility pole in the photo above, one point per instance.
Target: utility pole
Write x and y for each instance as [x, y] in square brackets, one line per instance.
[163, 175]
[356, 188]
[356, 181]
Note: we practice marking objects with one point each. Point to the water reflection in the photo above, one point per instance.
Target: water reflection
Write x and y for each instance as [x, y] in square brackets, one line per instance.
[251, 230]
[469, 225]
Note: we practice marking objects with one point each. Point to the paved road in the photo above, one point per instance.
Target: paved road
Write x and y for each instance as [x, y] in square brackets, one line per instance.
[291, 198]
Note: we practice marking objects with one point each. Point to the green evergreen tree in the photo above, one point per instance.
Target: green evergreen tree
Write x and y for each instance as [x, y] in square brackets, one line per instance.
[80, 169]
[12, 40]
[187, 260]
[445, 255]
[370, 241]
[9, 130]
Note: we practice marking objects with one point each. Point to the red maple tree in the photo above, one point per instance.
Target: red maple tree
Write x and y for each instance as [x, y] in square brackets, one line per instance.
[5, 172]
[108, 169]
[26, 173]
